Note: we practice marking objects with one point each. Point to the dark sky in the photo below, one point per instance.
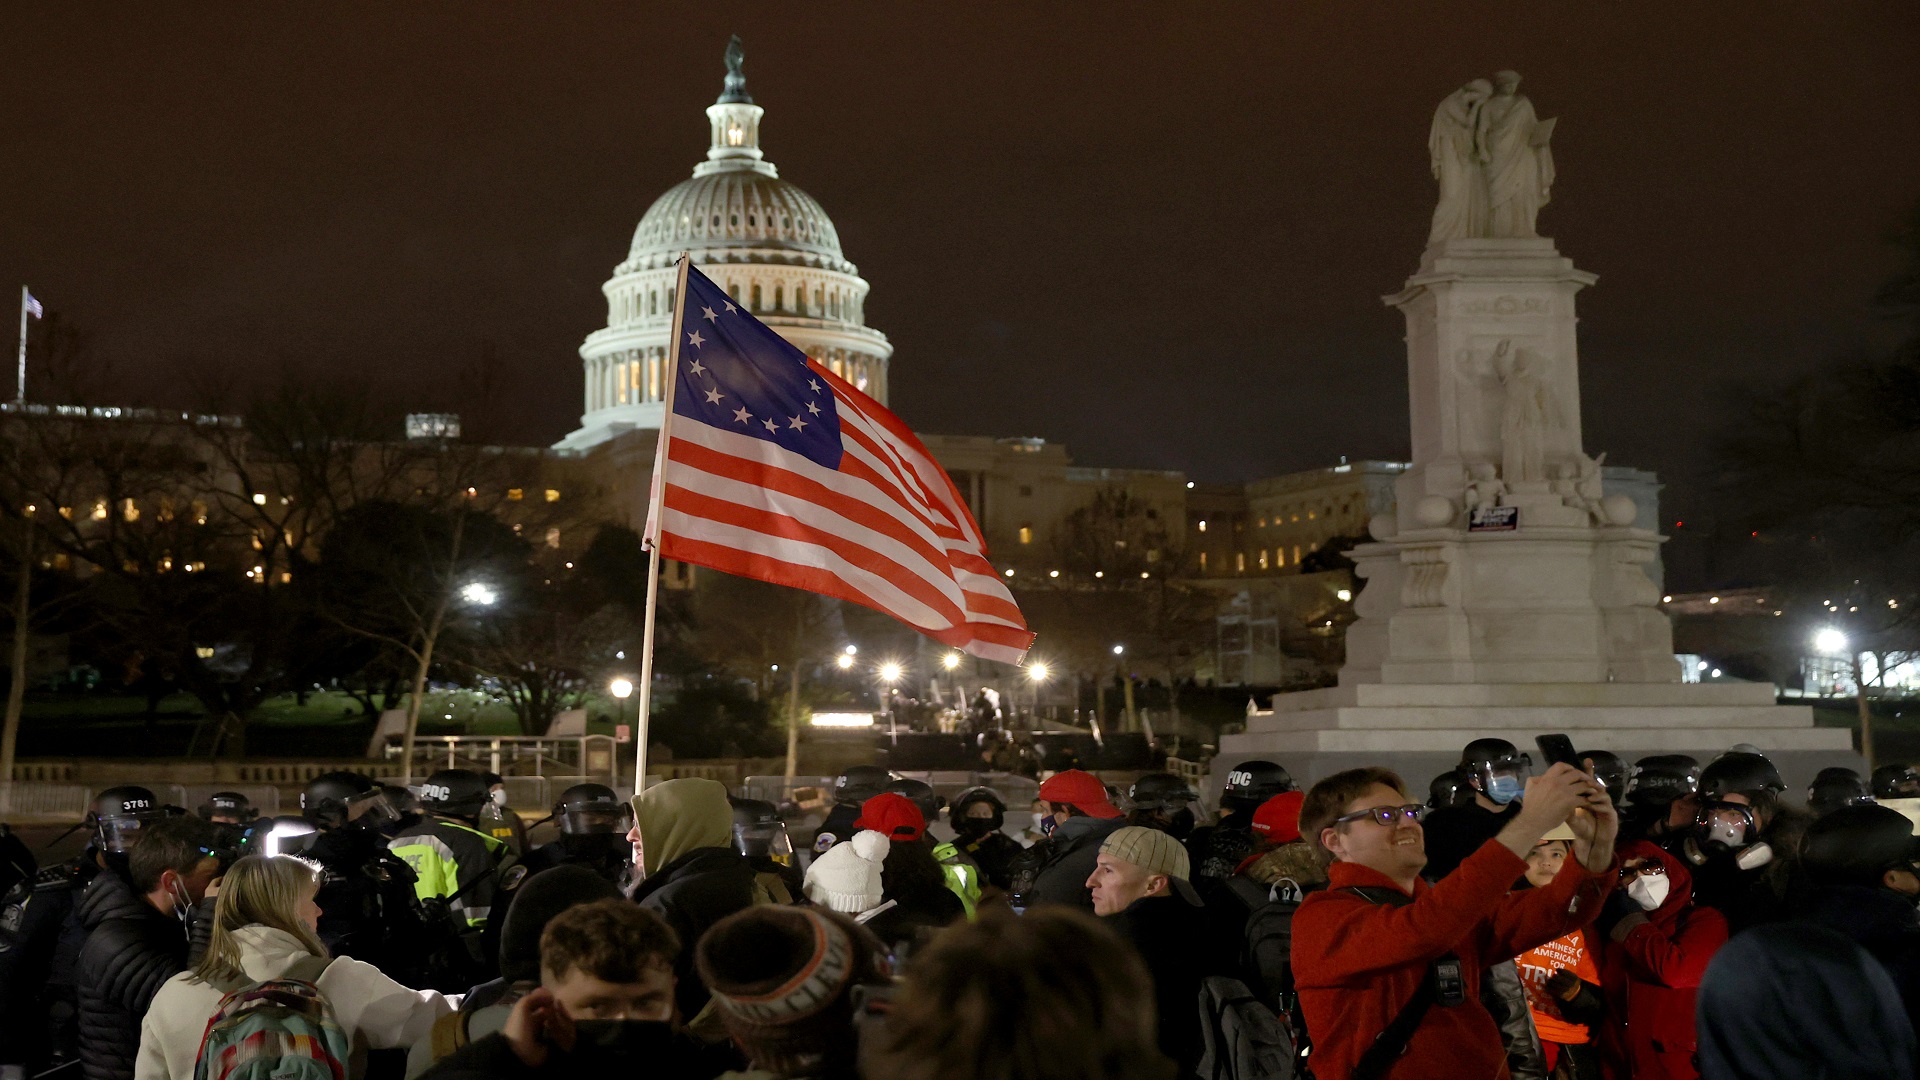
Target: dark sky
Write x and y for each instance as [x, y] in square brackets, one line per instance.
[1156, 232]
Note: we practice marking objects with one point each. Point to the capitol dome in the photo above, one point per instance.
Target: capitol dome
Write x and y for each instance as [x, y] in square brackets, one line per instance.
[765, 241]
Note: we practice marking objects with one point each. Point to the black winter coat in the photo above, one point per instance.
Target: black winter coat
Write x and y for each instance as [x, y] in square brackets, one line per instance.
[131, 950]
[1055, 870]
[1455, 832]
[1178, 943]
[692, 893]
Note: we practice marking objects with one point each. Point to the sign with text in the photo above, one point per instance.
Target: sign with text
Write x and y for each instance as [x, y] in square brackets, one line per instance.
[623, 733]
[1493, 519]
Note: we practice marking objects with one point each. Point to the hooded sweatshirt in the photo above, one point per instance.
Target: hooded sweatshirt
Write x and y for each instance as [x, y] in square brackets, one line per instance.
[1650, 968]
[694, 876]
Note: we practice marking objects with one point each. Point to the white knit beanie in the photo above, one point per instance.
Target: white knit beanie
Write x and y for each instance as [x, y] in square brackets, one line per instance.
[846, 878]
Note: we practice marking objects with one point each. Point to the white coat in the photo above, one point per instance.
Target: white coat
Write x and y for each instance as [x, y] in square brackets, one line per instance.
[373, 1010]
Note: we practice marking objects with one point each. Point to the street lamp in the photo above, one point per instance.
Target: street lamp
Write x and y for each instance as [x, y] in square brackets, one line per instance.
[1830, 640]
[622, 688]
[845, 660]
[950, 661]
[1037, 673]
[889, 674]
[479, 592]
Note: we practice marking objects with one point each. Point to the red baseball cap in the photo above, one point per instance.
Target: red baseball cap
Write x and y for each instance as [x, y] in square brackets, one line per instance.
[893, 816]
[1278, 819]
[1082, 789]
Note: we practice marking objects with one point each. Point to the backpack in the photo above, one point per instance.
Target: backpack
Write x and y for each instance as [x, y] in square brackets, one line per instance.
[1241, 1039]
[278, 1029]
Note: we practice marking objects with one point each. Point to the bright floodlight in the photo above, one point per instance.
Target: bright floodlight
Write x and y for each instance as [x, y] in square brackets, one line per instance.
[1119, 649]
[479, 592]
[853, 650]
[1344, 594]
[950, 661]
[890, 673]
[1830, 640]
[845, 661]
[621, 688]
[1037, 672]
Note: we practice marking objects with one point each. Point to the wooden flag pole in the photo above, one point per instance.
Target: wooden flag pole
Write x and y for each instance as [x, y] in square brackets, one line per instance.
[652, 537]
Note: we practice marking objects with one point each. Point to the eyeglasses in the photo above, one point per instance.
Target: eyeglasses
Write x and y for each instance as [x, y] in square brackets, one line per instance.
[1386, 815]
[1648, 870]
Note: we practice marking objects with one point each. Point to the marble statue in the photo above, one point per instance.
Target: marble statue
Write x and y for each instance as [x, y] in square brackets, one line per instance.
[1453, 144]
[1490, 154]
[1514, 144]
[1527, 415]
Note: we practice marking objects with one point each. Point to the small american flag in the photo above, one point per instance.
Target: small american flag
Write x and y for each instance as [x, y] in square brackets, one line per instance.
[32, 305]
[777, 469]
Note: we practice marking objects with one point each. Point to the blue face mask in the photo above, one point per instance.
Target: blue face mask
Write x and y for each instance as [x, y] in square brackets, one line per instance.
[1503, 788]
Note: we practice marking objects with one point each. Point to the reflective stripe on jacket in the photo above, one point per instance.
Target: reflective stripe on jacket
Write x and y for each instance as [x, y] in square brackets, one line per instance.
[450, 858]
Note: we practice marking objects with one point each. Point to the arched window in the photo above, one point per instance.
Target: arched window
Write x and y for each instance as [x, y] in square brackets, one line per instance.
[653, 302]
[819, 302]
[779, 298]
[756, 297]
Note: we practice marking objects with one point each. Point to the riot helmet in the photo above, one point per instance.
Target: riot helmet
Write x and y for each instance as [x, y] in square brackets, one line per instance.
[860, 783]
[228, 808]
[346, 798]
[759, 832]
[1495, 768]
[1858, 844]
[1662, 780]
[1897, 781]
[1251, 783]
[455, 793]
[921, 794]
[119, 813]
[1834, 788]
[1610, 771]
[1161, 791]
[1447, 790]
[1738, 791]
[592, 810]
[1742, 772]
[965, 823]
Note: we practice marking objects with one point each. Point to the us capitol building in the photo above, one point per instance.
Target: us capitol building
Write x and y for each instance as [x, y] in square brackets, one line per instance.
[774, 249]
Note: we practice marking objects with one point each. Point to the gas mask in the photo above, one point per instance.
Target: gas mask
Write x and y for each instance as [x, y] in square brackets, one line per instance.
[1649, 890]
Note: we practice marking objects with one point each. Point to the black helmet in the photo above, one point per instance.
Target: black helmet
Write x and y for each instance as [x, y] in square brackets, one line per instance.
[1662, 780]
[1834, 788]
[337, 798]
[590, 809]
[1495, 768]
[1897, 781]
[1856, 844]
[921, 794]
[1739, 771]
[860, 783]
[1610, 771]
[119, 813]
[1252, 783]
[957, 809]
[229, 804]
[760, 832]
[1160, 791]
[1448, 789]
[454, 793]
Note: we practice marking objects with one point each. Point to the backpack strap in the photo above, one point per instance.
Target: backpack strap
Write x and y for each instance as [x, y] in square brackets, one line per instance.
[1393, 1040]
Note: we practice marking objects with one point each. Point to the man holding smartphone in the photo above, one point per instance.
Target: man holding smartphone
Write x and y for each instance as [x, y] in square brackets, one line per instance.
[1387, 966]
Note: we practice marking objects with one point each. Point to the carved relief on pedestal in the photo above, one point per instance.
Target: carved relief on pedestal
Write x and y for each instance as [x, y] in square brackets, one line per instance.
[1632, 587]
[1426, 580]
[1505, 305]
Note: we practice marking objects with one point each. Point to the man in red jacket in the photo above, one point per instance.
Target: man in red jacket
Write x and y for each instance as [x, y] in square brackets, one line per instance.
[1379, 936]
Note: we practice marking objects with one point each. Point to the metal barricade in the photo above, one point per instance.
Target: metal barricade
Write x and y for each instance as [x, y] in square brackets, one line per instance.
[808, 792]
[531, 793]
[21, 799]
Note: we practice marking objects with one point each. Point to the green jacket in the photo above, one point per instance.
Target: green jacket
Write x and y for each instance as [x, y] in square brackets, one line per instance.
[962, 876]
[450, 858]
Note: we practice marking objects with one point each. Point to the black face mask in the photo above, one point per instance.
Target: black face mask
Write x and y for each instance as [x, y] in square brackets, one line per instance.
[1180, 823]
[593, 847]
[972, 828]
[622, 1043]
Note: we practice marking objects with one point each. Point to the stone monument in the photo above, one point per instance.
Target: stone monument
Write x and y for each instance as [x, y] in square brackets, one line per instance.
[1506, 592]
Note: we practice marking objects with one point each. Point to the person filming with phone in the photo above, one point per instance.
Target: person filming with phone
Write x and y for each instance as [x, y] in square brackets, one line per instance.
[1388, 966]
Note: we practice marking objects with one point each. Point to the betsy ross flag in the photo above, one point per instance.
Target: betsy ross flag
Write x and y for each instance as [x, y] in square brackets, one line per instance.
[777, 469]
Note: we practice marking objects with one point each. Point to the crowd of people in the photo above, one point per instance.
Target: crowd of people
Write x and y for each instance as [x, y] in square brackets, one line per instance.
[1664, 919]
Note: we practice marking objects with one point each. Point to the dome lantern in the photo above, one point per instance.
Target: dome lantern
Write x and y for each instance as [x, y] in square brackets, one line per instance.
[735, 120]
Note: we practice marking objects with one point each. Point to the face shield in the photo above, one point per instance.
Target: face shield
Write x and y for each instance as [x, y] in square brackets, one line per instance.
[766, 839]
[596, 819]
[1504, 779]
[116, 833]
[371, 810]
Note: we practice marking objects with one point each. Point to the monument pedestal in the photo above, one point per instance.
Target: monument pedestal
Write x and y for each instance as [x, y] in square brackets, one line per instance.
[1506, 593]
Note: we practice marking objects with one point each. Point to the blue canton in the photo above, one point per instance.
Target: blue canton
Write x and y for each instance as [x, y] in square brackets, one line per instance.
[738, 375]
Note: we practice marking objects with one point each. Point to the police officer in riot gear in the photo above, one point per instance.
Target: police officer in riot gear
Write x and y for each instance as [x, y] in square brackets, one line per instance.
[593, 824]
[1834, 788]
[1217, 850]
[368, 907]
[1163, 801]
[850, 791]
[977, 816]
[461, 873]
[760, 834]
[232, 813]
[40, 935]
[1859, 874]
[1496, 772]
[1897, 781]
[1609, 770]
[1739, 828]
[1448, 789]
[1662, 796]
[963, 875]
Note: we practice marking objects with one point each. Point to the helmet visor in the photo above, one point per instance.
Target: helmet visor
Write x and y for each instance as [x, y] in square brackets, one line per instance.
[598, 818]
[371, 809]
[764, 839]
[118, 832]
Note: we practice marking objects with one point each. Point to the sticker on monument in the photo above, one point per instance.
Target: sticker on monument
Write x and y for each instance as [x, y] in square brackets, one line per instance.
[1493, 519]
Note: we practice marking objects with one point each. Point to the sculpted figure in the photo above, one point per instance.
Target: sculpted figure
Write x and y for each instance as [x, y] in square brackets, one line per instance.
[1526, 416]
[1454, 148]
[1519, 159]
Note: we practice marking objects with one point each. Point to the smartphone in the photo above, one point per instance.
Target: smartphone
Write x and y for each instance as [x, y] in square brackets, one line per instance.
[1557, 748]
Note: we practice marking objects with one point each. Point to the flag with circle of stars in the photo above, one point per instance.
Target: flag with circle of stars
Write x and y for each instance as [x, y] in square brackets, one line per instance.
[736, 374]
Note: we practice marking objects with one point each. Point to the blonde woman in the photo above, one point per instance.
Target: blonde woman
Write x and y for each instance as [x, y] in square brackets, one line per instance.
[263, 923]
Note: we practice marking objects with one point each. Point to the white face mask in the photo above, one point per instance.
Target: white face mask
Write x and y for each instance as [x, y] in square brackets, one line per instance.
[1649, 890]
[500, 798]
[1040, 823]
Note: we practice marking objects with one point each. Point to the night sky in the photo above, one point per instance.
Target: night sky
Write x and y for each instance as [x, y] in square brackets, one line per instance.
[1050, 200]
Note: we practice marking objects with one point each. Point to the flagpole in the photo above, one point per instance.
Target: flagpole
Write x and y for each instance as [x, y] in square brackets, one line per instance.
[20, 386]
[657, 486]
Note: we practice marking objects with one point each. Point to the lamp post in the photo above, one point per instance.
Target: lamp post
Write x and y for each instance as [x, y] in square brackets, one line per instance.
[1037, 673]
[889, 673]
[1126, 686]
[1833, 641]
[622, 688]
